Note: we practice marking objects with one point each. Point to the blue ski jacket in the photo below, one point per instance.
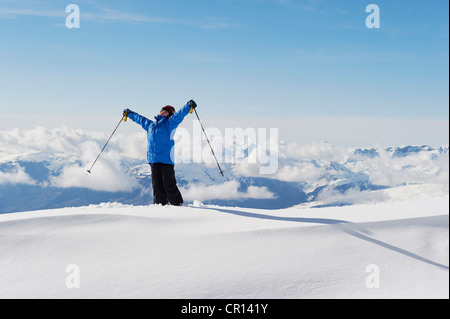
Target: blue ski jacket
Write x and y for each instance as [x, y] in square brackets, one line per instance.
[160, 134]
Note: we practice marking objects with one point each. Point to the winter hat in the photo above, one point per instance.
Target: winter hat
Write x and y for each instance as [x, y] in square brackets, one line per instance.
[169, 109]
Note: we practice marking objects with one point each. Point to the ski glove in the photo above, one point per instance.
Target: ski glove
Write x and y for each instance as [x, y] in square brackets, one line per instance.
[192, 104]
[127, 111]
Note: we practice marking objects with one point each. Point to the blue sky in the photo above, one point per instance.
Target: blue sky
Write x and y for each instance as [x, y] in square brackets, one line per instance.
[246, 59]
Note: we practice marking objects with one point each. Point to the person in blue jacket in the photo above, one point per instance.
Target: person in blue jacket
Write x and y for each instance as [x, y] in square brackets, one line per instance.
[160, 150]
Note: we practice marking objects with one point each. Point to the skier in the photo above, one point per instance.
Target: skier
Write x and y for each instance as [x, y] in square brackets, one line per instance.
[160, 150]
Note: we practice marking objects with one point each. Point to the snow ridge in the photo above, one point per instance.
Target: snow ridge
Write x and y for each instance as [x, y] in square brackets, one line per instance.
[112, 250]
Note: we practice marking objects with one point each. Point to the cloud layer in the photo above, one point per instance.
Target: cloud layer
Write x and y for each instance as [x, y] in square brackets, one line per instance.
[228, 191]
[68, 153]
[16, 176]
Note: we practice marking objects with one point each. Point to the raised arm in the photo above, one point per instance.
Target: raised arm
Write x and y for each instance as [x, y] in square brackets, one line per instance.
[139, 119]
[179, 116]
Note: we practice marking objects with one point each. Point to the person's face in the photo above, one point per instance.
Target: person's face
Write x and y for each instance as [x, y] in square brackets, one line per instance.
[164, 113]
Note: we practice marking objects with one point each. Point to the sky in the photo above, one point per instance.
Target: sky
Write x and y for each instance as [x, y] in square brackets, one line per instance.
[311, 68]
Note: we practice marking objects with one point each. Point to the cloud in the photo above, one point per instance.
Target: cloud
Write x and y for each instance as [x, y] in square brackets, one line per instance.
[13, 12]
[303, 172]
[42, 143]
[17, 176]
[416, 168]
[63, 140]
[110, 176]
[102, 14]
[315, 151]
[225, 191]
[106, 14]
[96, 12]
[352, 196]
[329, 166]
[71, 152]
[303, 4]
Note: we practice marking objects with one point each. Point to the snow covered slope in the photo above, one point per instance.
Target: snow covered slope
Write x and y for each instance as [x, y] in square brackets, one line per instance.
[390, 250]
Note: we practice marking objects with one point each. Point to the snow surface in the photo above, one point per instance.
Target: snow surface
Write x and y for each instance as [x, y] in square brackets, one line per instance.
[198, 251]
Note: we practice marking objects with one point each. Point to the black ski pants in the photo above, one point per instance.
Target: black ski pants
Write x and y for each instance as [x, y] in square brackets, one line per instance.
[165, 190]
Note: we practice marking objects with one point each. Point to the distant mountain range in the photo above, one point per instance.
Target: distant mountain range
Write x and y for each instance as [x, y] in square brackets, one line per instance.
[45, 179]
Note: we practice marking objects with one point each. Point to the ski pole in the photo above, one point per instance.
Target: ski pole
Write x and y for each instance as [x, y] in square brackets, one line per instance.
[212, 151]
[124, 118]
